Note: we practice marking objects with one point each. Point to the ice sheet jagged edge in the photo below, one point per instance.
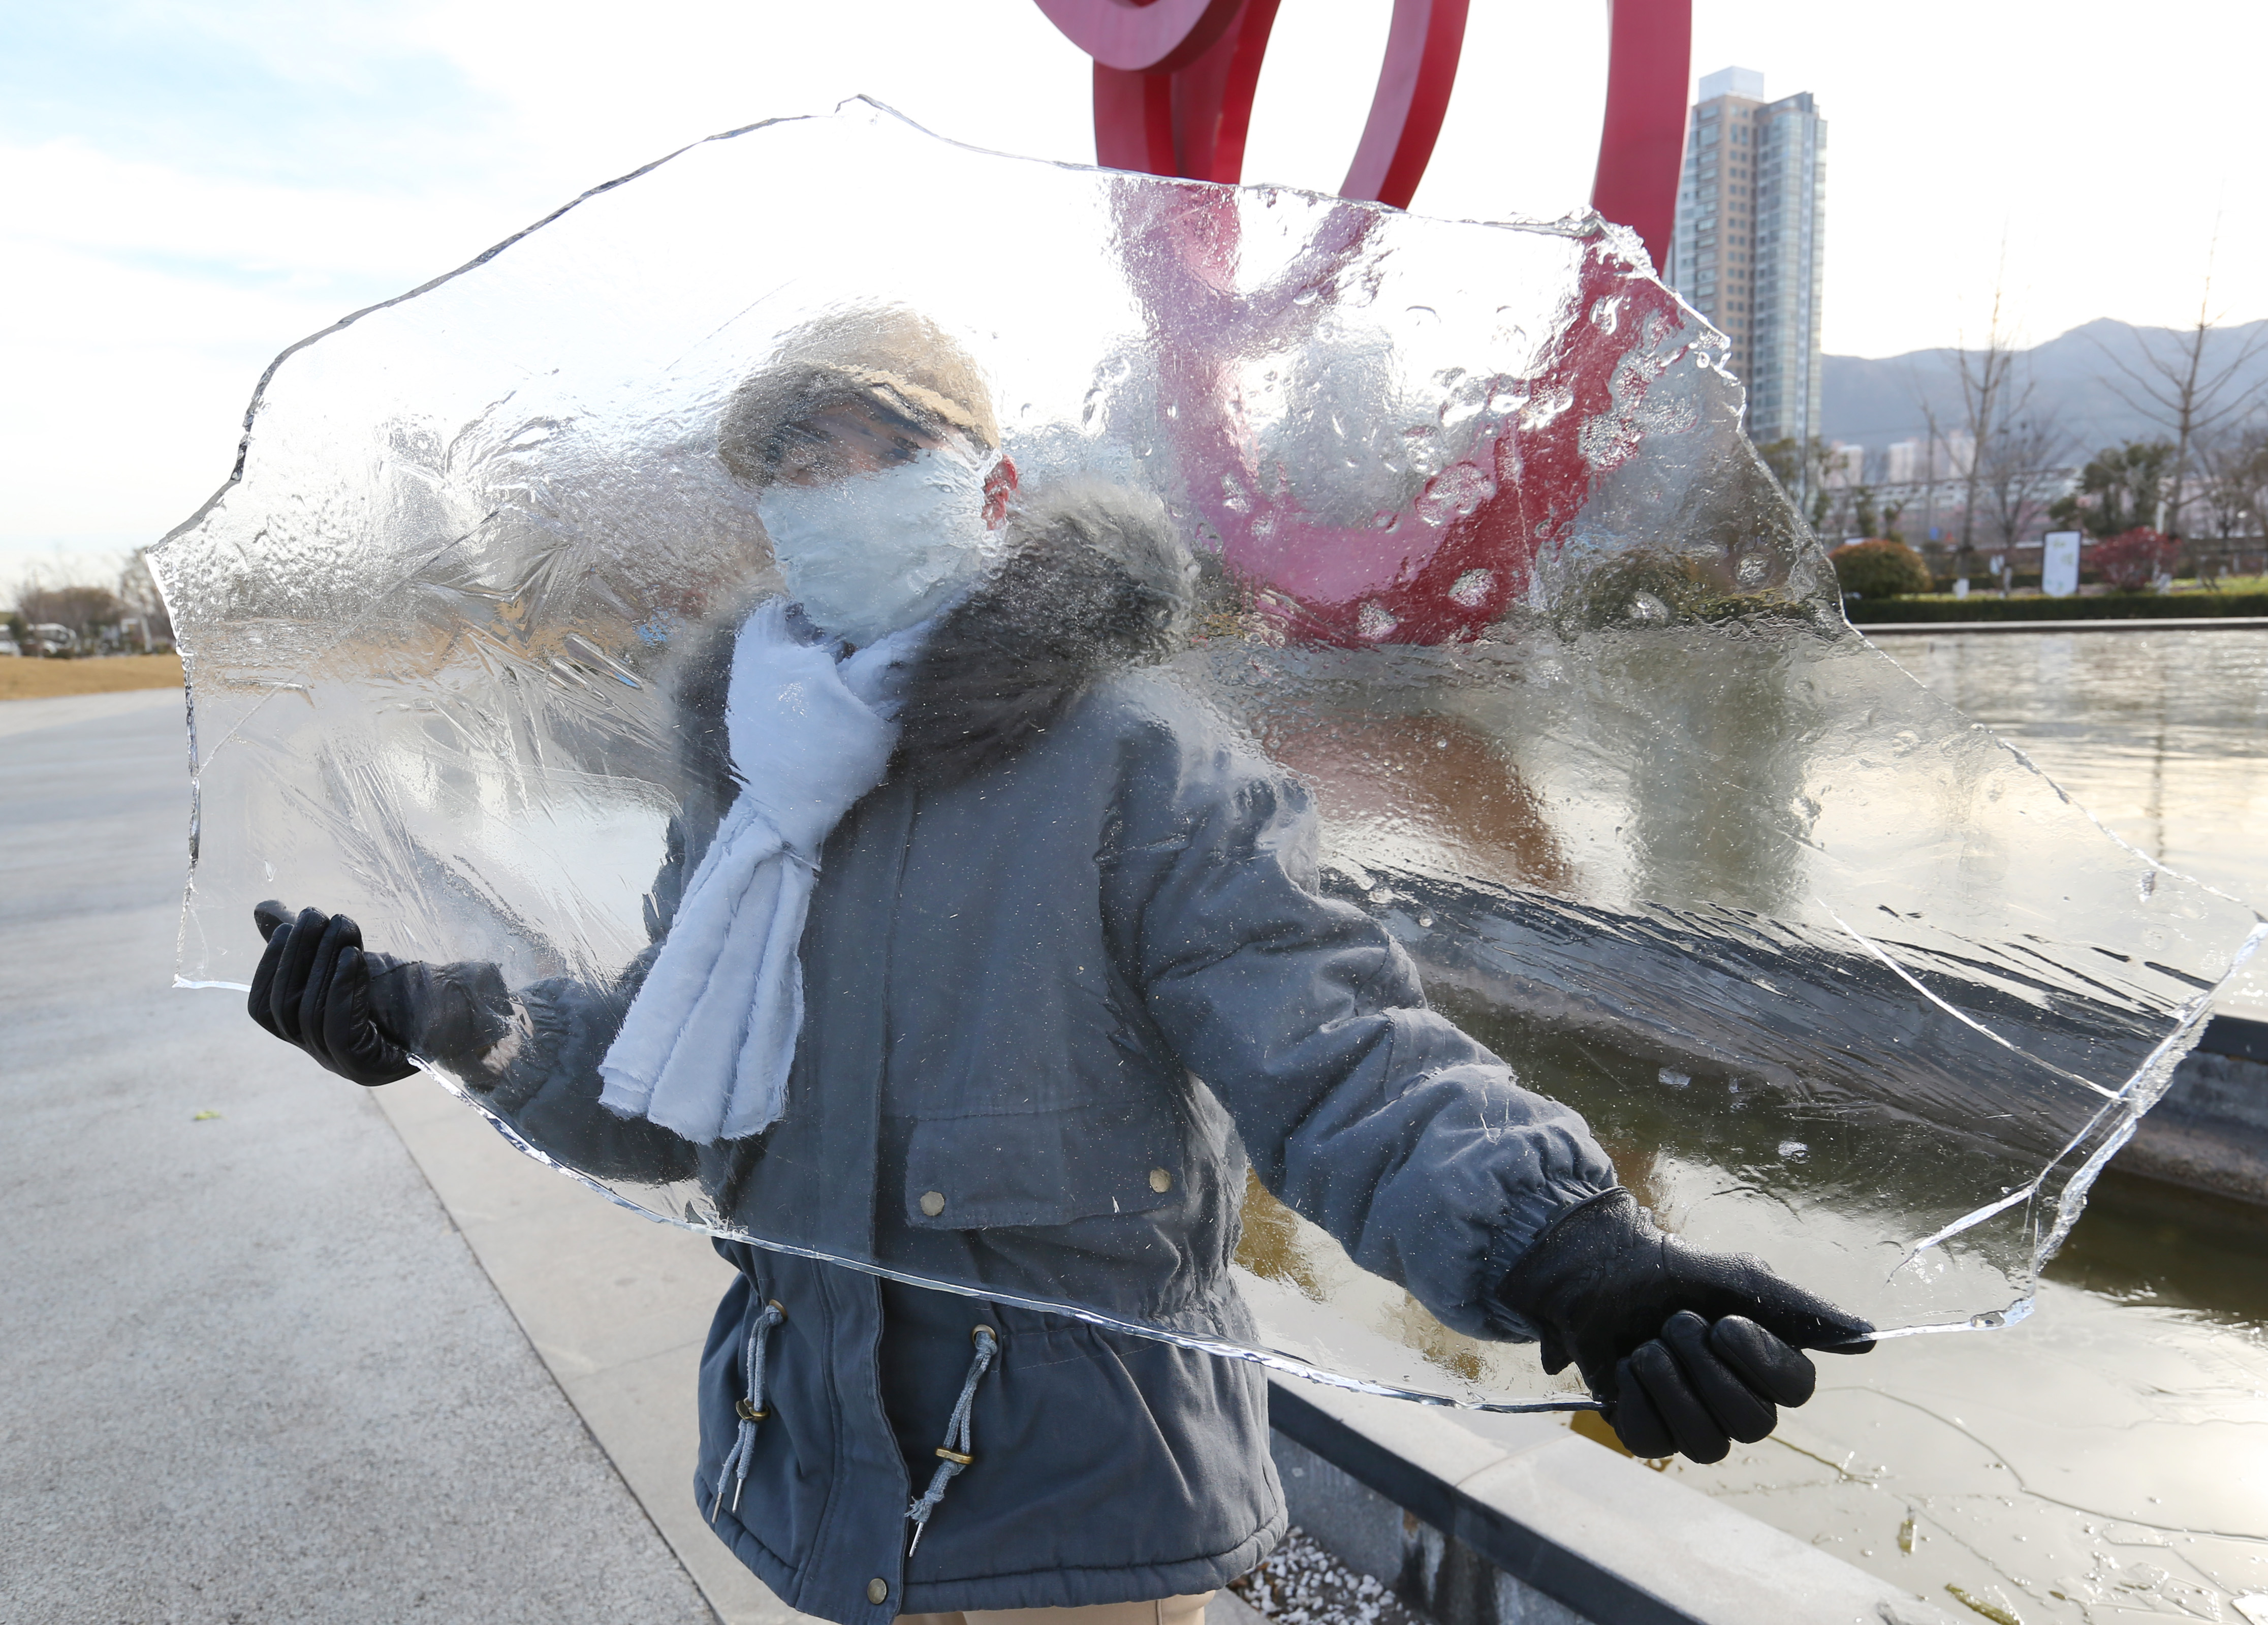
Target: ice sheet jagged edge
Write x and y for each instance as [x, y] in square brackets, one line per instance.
[2129, 1102]
[1272, 1359]
[2121, 1110]
[2143, 1089]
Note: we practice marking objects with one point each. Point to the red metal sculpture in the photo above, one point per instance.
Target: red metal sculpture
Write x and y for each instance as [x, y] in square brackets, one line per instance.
[1649, 59]
[1449, 565]
[1174, 81]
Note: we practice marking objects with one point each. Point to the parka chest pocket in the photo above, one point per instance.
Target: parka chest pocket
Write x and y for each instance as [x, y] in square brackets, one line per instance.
[1039, 1168]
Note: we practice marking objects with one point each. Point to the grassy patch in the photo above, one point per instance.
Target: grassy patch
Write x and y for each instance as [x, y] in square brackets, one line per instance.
[25, 678]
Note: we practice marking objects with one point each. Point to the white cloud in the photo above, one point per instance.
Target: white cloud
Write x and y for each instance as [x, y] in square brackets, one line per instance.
[592, 96]
[141, 305]
[136, 381]
[252, 231]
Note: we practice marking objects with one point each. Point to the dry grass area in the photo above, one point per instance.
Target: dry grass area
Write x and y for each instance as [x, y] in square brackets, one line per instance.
[25, 678]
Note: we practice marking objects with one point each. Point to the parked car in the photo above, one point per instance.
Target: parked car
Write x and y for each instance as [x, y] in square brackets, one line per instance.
[8, 646]
[48, 638]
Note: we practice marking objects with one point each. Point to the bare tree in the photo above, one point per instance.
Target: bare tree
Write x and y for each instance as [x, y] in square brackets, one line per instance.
[1992, 396]
[2193, 402]
[2001, 473]
[1941, 464]
[1928, 466]
[84, 610]
[2016, 474]
[2236, 484]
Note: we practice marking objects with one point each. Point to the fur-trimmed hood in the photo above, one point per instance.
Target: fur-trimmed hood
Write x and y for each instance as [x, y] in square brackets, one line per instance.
[1095, 580]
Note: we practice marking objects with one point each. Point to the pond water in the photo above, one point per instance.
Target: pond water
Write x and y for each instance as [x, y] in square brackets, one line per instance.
[2107, 1458]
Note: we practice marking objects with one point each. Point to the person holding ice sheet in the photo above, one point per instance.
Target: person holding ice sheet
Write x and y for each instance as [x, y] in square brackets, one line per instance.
[985, 955]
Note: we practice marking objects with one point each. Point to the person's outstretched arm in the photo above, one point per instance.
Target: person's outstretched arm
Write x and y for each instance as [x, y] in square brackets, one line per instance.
[1412, 1144]
[531, 1055]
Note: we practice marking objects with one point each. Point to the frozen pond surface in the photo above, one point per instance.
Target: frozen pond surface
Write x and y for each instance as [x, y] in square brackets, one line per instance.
[2163, 736]
[2106, 1460]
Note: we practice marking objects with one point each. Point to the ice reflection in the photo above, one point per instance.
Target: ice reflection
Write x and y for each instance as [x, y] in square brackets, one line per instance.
[2158, 734]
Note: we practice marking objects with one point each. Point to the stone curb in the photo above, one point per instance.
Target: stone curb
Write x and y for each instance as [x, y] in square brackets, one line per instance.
[1553, 1528]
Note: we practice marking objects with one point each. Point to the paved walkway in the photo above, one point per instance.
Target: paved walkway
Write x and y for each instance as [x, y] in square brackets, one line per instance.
[254, 1373]
[617, 1307]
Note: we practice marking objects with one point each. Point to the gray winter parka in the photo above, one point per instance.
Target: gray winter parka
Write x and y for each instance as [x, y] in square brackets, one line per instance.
[1065, 971]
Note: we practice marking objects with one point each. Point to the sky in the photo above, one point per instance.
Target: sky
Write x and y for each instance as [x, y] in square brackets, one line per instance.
[188, 187]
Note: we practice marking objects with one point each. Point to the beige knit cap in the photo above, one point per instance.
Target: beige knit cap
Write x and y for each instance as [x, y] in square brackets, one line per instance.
[879, 355]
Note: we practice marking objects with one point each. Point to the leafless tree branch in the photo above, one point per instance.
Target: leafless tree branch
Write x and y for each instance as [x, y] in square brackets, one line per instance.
[2178, 391]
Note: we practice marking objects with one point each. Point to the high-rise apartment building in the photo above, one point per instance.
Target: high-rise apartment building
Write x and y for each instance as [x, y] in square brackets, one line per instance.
[1747, 251]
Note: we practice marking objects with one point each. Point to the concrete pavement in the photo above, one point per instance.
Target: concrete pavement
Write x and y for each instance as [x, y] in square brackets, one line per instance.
[616, 1306]
[253, 1371]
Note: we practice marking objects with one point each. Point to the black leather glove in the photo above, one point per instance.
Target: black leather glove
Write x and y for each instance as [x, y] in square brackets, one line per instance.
[363, 1014]
[1688, 1350]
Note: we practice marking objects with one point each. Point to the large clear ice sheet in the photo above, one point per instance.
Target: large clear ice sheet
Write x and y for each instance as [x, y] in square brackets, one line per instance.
[1486, 566]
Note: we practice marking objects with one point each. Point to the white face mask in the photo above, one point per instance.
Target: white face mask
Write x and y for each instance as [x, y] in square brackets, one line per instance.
[878, 553]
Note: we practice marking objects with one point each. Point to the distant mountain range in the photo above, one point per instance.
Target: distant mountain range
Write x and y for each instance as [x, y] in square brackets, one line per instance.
[1876, 402]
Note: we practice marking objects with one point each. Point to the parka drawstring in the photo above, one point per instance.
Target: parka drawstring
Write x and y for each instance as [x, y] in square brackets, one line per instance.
[751, 1409]
[957, 1450]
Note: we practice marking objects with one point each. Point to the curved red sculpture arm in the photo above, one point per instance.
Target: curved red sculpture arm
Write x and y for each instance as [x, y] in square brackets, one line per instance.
[1450, 564]
[1142, 36]
[1421, 48]
[1189, 122]
[1649, 61]
[1173, 82]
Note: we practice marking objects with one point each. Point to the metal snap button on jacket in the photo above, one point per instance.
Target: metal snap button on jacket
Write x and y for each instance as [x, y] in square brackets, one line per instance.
[878, 1590]
[933, 1203]
[1160, 1181]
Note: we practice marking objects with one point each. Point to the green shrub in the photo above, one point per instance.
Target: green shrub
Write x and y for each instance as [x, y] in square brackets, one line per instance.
[1879, 569]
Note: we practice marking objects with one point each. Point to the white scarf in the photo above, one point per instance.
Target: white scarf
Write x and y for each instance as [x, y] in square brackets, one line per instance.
[705, 1048]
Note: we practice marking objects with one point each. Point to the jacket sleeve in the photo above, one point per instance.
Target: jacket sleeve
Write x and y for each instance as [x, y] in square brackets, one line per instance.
[535, 1064]
[543, 1080]
[1362, 1110]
